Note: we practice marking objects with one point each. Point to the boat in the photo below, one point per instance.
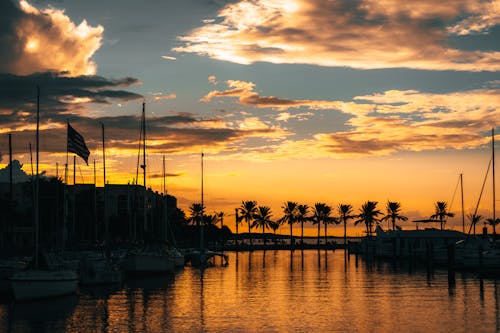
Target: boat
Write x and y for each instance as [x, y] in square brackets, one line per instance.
[35, 284]
[202, 257]
[149, 258]
[43, 278]
[97, 269]
[480, 253]
[421, 244]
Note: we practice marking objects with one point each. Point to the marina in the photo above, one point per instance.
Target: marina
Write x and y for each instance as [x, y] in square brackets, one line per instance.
[274, 291]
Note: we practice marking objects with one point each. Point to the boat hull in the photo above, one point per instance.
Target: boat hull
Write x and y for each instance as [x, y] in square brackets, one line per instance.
[28, 285]
[148, 263]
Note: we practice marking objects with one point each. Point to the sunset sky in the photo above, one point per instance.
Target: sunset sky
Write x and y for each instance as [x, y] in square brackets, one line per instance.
[303, 100]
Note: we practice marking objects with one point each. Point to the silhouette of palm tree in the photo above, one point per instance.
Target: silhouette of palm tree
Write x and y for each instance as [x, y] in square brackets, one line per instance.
[393, 213]
[474, 219]
[302, 217]
[262, 218]
[274, 225]
[329, 220]
[290, 216]
[493, 223]
[345, 214]
[196, 211]
[220, 218]
[321, 212]
[248, 210]
[441, 212]
[368, 215]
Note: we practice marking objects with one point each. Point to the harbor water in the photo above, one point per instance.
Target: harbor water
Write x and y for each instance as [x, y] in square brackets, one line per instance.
[274, 291]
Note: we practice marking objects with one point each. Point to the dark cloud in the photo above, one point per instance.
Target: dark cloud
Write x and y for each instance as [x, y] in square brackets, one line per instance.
[59, 94]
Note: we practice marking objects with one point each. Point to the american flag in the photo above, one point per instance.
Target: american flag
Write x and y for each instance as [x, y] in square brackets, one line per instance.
[76, 144]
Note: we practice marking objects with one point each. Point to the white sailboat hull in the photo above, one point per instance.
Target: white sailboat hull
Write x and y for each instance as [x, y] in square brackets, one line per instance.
[35, 284]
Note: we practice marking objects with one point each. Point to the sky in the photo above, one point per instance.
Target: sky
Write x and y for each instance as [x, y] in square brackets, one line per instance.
[290, 100]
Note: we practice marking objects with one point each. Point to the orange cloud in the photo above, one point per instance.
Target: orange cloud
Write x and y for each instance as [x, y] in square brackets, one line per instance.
[382, 123]
[246, 95]
[47, 40]
[362, 34]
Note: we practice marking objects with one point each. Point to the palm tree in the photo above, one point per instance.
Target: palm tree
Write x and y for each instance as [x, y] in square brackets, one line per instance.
[274, 225]
[302, 217]
[248, 210]
[441, 212]
[220, 218]
[393, 213]
[368, 215]
[345, 213]
[263, 219]
[474, 219]
[321, 212]
[493, 223]
[328, 220]
[196, 212]
[290, 216]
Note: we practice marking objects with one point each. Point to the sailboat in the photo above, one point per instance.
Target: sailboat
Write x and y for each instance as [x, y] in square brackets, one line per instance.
[203, 257]
[479, 252]
[148, 259]
[44, 277]
[173, 252]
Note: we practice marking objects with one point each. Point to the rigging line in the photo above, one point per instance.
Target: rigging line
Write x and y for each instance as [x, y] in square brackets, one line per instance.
[138, 156]
[480, 195]
[454, 193]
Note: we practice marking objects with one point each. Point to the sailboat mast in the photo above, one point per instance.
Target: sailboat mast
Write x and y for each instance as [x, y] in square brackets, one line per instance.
[144, 161]
[493, 162]
[36, 175]
[165, 201]
[462, 193]
[202, 207]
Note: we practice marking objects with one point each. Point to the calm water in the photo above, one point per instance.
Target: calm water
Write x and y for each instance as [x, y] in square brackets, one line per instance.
[275, 291]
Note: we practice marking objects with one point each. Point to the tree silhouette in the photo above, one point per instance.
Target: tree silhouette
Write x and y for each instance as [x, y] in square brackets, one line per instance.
[196, 211]
[262, 219]
[290, 216]
[302, 211]
[493, 223]
[368, 215]
[393, 210]
[345, 214]
[248, 210]
[274, 225]
[321, 212]
[441, 212]
[474, 219]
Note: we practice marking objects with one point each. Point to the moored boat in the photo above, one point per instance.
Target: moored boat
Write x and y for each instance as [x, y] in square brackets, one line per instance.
[34, 284]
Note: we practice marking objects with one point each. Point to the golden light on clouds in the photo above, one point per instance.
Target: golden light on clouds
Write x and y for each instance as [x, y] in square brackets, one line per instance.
[380, 123]
[52, 42]
[31, 45]
[364, 34]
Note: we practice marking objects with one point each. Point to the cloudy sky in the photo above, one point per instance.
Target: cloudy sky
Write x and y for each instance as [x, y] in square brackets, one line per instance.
[304, 100]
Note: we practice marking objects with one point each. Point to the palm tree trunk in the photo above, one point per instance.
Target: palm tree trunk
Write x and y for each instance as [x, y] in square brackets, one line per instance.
[393, 223]
[345, 235]
[325, 234]
[291, 236]
[319, 226]
[250, 233]
[236, 234]
[302, 233]
[263, 235]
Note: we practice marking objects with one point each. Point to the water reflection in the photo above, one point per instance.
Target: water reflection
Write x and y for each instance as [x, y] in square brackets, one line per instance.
[266, 291]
